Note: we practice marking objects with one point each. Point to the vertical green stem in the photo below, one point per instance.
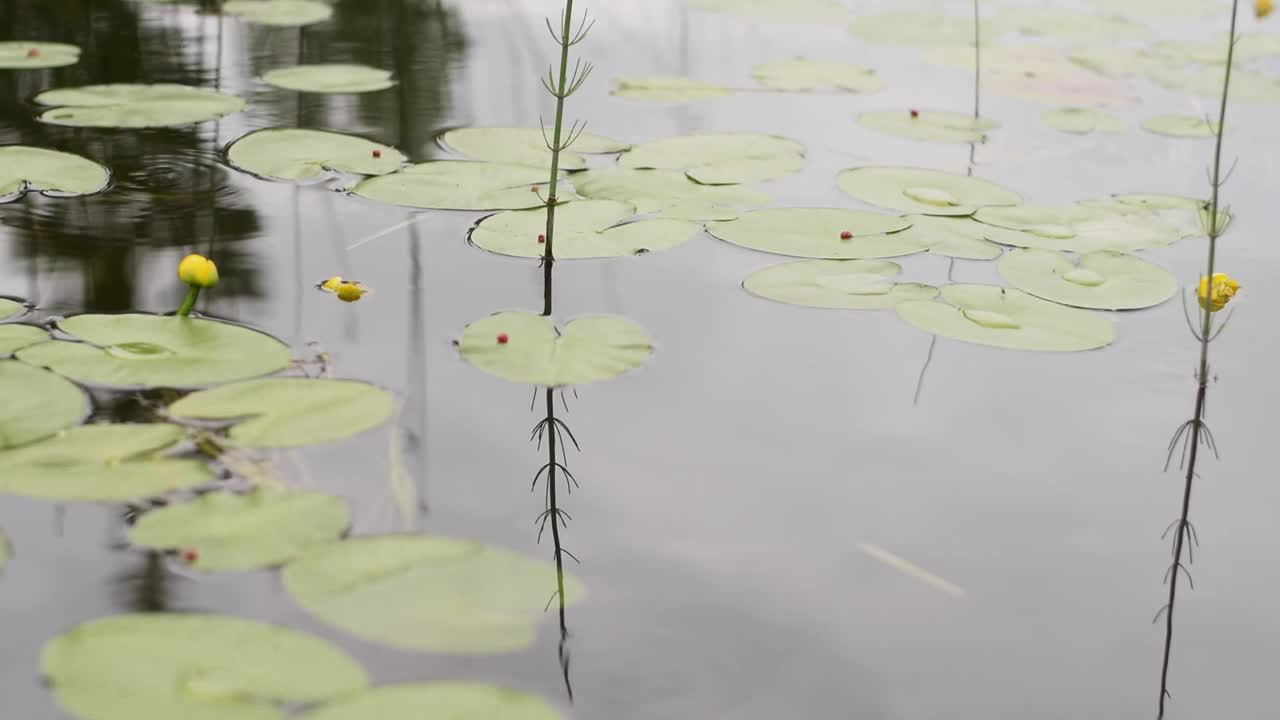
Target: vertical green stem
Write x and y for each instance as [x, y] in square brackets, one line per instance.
[189, 302]
[977, 59]
[548, 256]
[1202, 374]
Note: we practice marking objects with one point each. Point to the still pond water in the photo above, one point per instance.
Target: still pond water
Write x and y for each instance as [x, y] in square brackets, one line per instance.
[770, 523]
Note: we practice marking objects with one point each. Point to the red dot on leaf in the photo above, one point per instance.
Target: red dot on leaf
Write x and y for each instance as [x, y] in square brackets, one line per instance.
[377, 153]
[542, 238]
[846, 235]
[502, 338]
[915, 113]
[33, 52]
[190, 557]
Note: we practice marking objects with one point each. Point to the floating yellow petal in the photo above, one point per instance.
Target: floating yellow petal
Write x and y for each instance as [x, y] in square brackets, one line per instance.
[1216, 293]
[331, 285]
[198, 271]
[1263, 8]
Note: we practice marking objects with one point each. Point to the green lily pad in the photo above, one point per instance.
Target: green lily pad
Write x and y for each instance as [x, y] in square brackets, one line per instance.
[295, 155]
[15, 337]
[819, 233]
[1246, 86]
[956, 237]
[1116, 61]
[798, 74]
[290, 412]
[101, 463]
[279, 13]
[1077, 228]
[437, 701]
[1180, 126]
[1104, 280]
[794, 11]
[926, 192]
[1082, 121]
[720, 158]
[584, 229]
[1164, 9]
[667, 89]
[147, 351]
[458, 185]
[1214, 52]
[23, 169]
[526, 146]
[587, 350]
[33, 55]
[1072, 88]
[669, 192]
[918, 29]
[36, 404]
[330, 78]
[10, 309]
[192, 666]
[426, 593]
[135, 106]
[1158, 201]
[1010, 319]
[264, 528]
[929, 125]
[839, 284]
[1071, 25]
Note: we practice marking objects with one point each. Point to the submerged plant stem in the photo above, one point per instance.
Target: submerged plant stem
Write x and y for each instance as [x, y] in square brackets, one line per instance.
[554, 509]
[548, 255]
[189, 303]
[1182, 529]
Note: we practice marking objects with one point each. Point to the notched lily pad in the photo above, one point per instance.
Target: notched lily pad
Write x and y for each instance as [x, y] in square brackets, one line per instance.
[260, 529]
[720, 158]
[666, 89]
[838, 284]
[192, 666]
[24, 169]
[819, 233]
[458, 185]
[584, 229]
[1082, 121]
[102, 463]
[279, 13]
[925, 192]
[929, 125]
[669, 192]
[800, 74]
[330, 78]
[956, 237]
[1006, 318]
[37, 403]
[14, 337]
[1077, 228]
[147, 351]
[10, 310]
[526, 146]
[1104, 280]
[527, 348]
[918, 29]
[426, 593]
[35, 55]
[1180, 126]
[135, 106]
[296, 155]
[437, 701]
[289, 412]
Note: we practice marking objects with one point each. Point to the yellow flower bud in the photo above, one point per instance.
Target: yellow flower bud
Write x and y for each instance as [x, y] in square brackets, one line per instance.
[1216, 293]
[1263, 8]
[350, 291]
[198, 271]
[331, 285]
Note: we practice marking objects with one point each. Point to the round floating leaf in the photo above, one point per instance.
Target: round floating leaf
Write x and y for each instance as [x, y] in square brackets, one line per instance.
[1005, 318]
[929, 125]
[140, 351]
[667, 89]
[280, 13]
[804, 74]
[437, 701]
[841, 284]
[1207, 82]
[1071, 25]
[290, 412]
[1082, 121]
[1248, 47]
[1104, 280]
[23, 169]
[1077, 228]
[926, 192]
[31, 55]
[264, 528]
[36, 404]
[820, 233]
[15, 337]
[584, 229]
[1116, 61]
[796, 11]
[330, 78]
[1158, 201]
[426, 593]
[720, 158]
[1077, 87]
[956, 237]
[10, 309]
[458, 185]
[587, 350]
[669, 192]
[192, 666]
[294, 155]
[1172, 9]
[1181, 126]
[526, 146]
[135, 106]
[102, 463]
[917, 29]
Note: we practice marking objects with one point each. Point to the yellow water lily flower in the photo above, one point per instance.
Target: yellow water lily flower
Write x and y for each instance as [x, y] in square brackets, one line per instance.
[1263, 8]
[351, 291]
[1214, 295]
[331, 285]
[198, 271]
